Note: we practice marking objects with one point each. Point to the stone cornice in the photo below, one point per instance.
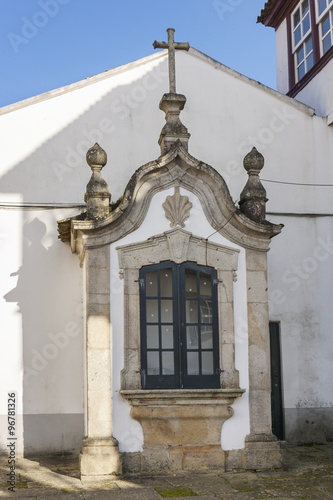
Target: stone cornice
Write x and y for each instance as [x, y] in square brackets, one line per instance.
[182, 397]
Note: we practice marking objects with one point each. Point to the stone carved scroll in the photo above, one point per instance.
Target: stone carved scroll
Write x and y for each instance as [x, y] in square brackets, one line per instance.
[177, 208]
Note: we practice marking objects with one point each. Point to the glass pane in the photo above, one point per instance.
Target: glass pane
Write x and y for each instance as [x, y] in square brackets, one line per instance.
[166, 311]
[297, 18]
[191, 311]
[309, 61]
[308, 45]
[206, 337]
[153, 363]
[207, 363]
[327, 43]
[192, 337]
[205, 285]
[192, 363]
[168, 366]
[190, 283]
[306, 24]
[206, 311]
[305, 7]
[152, 337]
[326, 24]
[300, 55]
[151, 284]
[297, 36]
[321, 6]
[166, 283]
[152, 311]
[301, 71]
[167, 337]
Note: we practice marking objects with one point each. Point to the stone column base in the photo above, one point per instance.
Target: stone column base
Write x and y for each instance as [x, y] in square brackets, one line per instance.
[100, 458]
[262, 452]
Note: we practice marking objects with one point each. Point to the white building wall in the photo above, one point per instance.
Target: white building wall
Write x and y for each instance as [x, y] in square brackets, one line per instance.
[43, 160]
[41, 341]
[300, 297]
[282, 70]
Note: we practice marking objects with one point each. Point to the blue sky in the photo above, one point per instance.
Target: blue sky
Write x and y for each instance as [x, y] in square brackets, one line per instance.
[46, 44]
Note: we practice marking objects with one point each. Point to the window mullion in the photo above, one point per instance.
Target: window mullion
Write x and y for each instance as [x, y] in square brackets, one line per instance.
[159, 320]
[178, 334]
[143, 323]
[215, 326]
[199, 322]
[315, 32]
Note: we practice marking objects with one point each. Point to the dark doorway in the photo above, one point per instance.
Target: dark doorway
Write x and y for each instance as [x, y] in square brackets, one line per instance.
[276, 385]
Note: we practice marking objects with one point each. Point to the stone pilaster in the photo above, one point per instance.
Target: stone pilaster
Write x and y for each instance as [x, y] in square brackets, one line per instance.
[262, 449]
[99, 455]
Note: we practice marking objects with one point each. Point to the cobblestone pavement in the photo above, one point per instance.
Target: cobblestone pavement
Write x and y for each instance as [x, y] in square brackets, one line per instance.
[307, 474]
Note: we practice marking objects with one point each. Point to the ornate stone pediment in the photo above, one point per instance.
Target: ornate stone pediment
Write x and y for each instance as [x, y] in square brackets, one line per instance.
[175, 168]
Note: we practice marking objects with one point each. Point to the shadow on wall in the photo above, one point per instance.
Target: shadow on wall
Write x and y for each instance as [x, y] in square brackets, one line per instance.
[51, 350]
[49, 283]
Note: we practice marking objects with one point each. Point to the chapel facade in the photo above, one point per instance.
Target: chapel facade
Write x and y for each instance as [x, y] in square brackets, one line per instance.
[179, 333]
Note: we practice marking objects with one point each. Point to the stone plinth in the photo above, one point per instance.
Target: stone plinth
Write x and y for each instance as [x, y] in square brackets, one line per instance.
[182, 428]
[100, 457]
[173, 130]
[262, 452]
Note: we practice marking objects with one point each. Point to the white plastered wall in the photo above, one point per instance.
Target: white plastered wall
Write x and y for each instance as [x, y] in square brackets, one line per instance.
[41, 330]
[282, 70]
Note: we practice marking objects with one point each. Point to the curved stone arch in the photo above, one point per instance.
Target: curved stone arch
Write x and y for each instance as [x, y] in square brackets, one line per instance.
[176, 168]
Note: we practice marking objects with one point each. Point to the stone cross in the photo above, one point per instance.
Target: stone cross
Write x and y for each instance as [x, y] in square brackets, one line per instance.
[171, 45]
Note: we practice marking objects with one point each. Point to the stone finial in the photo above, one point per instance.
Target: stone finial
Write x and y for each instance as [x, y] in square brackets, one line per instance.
[253, 197]
[97, 196]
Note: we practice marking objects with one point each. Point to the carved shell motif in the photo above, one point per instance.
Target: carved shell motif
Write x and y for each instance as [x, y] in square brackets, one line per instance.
[177, 208]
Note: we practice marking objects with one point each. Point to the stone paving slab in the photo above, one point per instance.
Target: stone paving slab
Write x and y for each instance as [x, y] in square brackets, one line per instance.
[207, 484]
[145, 494]
[306, 475]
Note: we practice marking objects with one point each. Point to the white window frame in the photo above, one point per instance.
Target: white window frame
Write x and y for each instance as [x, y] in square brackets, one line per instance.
[302, 42]
[319, 18]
